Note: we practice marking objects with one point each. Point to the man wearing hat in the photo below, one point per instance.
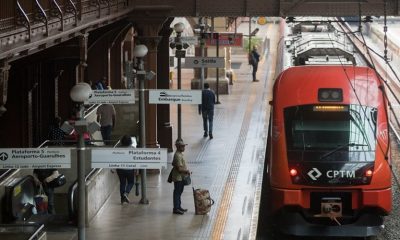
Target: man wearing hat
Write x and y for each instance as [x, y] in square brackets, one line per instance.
[179, 170]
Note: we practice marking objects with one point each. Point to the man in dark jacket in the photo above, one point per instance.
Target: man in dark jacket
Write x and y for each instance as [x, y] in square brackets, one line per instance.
[207, 110]
[254, 59]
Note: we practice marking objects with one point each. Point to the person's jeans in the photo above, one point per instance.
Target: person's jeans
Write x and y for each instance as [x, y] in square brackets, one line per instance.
[106, 133]
[255, 66]
[126, 180]
[50, 198]
[178, 190]
[208, 116]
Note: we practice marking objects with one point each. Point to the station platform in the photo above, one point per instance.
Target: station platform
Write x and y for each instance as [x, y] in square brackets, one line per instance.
[230, 166]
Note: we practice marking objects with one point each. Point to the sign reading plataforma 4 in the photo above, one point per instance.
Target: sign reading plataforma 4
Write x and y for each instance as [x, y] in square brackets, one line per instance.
[163, 96]
[31, 158]
[137, 158]
[116, 96]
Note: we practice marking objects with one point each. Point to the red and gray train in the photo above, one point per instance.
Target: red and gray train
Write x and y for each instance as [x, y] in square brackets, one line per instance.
[328, 158]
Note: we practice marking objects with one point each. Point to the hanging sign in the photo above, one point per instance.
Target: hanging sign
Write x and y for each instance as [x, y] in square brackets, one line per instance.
[208, 62]
[225, 39]
[116, 96]
[30, 158]
[191, 40]
[164, 96]
[137, 158]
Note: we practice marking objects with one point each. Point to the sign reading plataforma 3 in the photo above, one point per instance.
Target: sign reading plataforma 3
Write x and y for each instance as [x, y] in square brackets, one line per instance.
[163, 96]
[31, 158]
[116, 96]
[137, 158]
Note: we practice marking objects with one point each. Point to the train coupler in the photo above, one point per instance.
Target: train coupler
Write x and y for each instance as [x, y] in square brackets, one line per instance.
[331, 208]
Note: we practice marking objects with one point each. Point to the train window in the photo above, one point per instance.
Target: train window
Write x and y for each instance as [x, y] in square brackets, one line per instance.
[347, 134]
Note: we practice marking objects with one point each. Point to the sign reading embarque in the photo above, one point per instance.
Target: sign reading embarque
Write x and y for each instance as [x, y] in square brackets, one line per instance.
[136, 158]
[30, 158]
[116, 96]
[163, 96]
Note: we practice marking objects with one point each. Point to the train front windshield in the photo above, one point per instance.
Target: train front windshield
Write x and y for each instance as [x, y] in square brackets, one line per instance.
[331, 133]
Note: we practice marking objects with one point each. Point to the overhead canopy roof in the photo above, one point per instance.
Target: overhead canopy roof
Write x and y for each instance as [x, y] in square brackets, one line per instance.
[283, 8]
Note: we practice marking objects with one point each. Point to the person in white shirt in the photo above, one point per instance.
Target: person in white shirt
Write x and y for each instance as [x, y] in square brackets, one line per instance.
[106, 118]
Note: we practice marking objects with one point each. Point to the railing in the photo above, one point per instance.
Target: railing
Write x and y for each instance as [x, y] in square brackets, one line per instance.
[26, 19]
[34, 231]
[72, 191]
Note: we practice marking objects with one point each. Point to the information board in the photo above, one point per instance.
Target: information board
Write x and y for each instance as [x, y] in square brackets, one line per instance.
[164, 96]
[133, 158]
[207, 62]
[191, 40]
[30, 158]
[117, 96]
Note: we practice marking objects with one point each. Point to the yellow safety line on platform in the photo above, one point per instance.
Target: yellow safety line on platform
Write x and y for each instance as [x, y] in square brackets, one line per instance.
[222, 215]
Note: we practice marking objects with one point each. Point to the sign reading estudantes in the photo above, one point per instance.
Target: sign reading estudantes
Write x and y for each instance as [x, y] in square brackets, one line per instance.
[30, 158]
[116, 96]
[137, 158]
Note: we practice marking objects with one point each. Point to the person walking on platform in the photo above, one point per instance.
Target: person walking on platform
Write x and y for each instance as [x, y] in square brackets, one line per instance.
[254, 58]
[106, 118]
[207, 110]
[179, 170]
[126, 176]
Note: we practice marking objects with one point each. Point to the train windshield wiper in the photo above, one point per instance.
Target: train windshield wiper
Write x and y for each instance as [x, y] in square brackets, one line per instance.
[341, 147]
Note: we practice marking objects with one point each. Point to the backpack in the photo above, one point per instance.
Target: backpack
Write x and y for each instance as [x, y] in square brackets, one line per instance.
[202, 201]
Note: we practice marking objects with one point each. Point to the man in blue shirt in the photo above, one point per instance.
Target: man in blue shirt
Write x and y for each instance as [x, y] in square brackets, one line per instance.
[207, 110]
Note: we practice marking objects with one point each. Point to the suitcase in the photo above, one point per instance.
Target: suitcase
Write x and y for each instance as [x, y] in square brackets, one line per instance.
[202, 201]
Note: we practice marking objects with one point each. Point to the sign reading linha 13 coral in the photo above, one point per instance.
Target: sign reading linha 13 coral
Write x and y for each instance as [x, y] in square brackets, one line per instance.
[116, 96]
[30, 158]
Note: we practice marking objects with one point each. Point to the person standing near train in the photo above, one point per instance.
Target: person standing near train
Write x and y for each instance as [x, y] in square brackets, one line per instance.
[254, 58]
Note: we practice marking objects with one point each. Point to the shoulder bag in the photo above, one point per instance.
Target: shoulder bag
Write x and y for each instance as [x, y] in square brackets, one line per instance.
[186, 180]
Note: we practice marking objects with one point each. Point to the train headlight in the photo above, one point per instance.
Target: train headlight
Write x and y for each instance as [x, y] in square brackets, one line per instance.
[330, 95]
[293, 172]
[369, 173]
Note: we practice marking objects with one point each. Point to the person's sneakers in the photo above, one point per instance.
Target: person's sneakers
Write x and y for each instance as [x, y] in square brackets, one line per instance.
[211, 136]
[178, 211]
[205, 134]
[124, 199]
[182, 209]
[256, 80]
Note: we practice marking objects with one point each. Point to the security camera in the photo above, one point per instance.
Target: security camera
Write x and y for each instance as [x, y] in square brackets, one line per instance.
[150, 75]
